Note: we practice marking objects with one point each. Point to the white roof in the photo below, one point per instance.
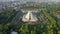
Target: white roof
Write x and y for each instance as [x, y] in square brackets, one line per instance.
[30, 15]
[14, 32]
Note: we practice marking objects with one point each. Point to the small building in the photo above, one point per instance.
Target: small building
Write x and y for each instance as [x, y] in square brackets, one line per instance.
[14, 32]
[29, 17]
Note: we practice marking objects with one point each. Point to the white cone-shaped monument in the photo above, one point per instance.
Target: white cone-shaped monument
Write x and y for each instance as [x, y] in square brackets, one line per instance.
[29, 17]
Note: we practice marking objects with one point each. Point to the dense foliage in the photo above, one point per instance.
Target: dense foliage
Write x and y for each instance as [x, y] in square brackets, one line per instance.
[47, 15]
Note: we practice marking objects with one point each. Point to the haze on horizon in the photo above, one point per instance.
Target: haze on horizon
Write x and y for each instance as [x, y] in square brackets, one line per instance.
[31, 0]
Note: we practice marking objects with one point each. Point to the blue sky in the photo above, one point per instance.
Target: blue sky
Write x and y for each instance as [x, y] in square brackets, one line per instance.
[33, 0]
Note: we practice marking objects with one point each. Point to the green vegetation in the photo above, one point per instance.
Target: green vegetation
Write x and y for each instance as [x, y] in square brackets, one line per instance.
[47, 15]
